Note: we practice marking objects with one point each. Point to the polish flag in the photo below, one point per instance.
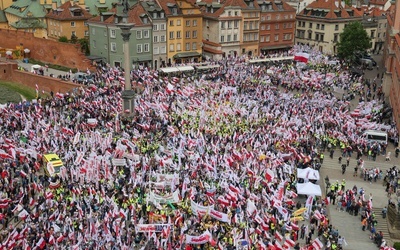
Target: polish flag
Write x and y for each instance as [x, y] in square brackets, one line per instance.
[317, 244]
[289, 242]
[302, 57]
[278, 236]
[269, 175]
[41, 243]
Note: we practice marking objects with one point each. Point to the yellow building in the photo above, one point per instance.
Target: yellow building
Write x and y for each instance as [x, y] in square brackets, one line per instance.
[4, 4]
[184, 31]
[28, 16]
[68, 20]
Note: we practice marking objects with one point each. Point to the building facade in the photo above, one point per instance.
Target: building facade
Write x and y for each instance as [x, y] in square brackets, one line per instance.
[277, 26]
[184, 31]
[159, 22]
[321, 23]
[28, 16]
[106, 39]
[391, 56]
[68, 20]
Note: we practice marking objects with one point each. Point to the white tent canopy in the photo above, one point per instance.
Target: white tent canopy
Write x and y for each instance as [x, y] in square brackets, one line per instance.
[308, 173]
[309, 189]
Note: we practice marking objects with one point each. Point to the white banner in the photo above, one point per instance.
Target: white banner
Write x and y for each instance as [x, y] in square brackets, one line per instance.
[150, 228]
[197, 240]
[197, 208]
[171, 198]
[219, 216]
[167, 178]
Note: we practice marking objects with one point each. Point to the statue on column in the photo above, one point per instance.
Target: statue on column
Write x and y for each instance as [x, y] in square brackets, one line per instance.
[125, 4]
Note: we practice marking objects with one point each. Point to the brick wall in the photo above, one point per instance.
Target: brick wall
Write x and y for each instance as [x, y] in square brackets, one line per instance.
[9, 72]
[45, 50]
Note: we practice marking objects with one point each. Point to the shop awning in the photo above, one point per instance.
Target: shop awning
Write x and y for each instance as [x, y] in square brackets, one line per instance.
[276, 47]
[186, 54]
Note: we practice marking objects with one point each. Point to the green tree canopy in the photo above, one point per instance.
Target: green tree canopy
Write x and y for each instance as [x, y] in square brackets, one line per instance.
[354, 39]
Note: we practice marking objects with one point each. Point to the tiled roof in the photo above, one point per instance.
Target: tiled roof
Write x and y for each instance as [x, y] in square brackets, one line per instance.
[28, 23]
[65, 12]
[165, 4]
[134, 16]
[227, 3]
[330, 9]
[26, 8]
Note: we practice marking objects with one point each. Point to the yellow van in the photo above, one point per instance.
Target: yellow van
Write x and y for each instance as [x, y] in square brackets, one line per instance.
[52, 164]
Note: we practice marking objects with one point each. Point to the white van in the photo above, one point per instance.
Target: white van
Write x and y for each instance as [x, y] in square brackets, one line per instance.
[376, 136]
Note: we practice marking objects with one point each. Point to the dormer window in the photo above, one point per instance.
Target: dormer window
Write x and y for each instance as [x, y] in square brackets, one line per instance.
[154, 14]
[174, 11]
[145, 20]
[251, 4]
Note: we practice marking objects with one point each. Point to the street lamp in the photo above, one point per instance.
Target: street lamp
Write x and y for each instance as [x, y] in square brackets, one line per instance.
[128, 95]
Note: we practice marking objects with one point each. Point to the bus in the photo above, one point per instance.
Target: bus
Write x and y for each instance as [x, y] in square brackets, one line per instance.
[376, 136]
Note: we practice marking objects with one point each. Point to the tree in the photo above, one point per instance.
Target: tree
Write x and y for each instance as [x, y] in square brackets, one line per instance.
[63, 39]
[84, 42]
[74, 39]
[353, 40]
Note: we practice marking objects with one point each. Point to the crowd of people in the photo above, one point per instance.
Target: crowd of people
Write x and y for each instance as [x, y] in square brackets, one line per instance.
[200, 164]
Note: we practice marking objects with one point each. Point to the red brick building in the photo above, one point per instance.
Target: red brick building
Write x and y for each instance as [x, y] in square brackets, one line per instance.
[277, 26]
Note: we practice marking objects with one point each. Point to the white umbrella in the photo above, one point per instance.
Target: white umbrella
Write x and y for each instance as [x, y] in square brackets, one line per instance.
[27, 51]
[8, 53]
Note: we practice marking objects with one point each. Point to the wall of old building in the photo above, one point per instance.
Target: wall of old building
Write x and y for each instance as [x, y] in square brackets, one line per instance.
[54, 52]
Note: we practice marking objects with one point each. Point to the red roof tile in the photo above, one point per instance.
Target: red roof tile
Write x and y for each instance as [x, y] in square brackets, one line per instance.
[332, 7]
[65, 12]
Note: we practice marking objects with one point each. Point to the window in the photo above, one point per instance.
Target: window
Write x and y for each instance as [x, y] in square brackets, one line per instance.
[105, 46]
[162, 26]
[113, 47]
[277, 26]
[277, 17]
[187, 35]
[316, 36]
[268, 17]
[277, 37]
[317, 26]
[235, 37]
[310, 25]
[72, 24]
[285, 17]
[146, 47]
[86, 33]
[187, 23]
[138, 34]
[223, 25]
[262, 27]
[229, 24]
[139, 48]
[94, 43]
[287, 37]
[194, 23]
[335, 37]
[262, 39]
[171, 22]
[171, 47]
[194, 34]
[146, 34]
[235, 24]
[229, 13]
[155, 27]
[267, 38]
[268, 27]
[163, 50]
[372, 33]
[222, 39]
[156, 50]
[178, 47]
[187, 47]
[284, 26]
[155, 39]
[228, 38]
[236, 13]
[194, 46]
[171, 35]
[112, 33]
[309, 35]
[73, 33]
[322, 26]
[178, 35]
[162, 38]
[178, 22]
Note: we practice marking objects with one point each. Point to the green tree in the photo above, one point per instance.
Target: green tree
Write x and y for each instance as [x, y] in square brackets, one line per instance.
[353, 40]
[84, 42]
[63, 39]
[74, 39]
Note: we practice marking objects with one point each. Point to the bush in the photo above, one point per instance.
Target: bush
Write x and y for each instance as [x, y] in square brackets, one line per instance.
[396, 245]
[63, 39]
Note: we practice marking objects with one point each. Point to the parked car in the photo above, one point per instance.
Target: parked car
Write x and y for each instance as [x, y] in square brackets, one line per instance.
[83, 78]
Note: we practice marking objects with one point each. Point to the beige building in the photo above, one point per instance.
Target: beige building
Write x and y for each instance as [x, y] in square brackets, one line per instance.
[321, 23]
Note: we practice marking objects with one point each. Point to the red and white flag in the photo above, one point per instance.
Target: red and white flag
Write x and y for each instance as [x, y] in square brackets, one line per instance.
[302, 57]
[317, 244]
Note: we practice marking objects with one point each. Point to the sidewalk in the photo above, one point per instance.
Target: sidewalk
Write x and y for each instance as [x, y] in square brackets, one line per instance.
[47, 72]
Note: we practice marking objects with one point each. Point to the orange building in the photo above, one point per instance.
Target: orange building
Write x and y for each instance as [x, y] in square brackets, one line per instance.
[67, 20]
[391, 56]
[277, 26]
